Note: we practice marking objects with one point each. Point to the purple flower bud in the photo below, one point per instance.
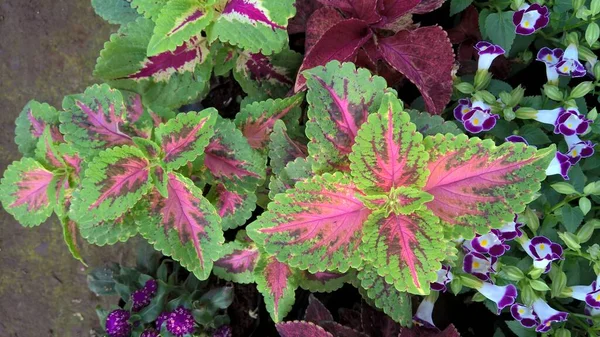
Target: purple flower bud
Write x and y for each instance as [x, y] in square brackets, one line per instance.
[543, 252]
[140, 299]
[224, 331]
[516, 139]
[570, 65]
[487, 53]
[464, 106]
[530, 18]
[590, 294]
[510, 230]
[479, 265]
[547, 315]
[180, 322]
[423, 316]
[151, 287]
[149, 333]
[561, 164]
[117, 324]
[503, 296]
[479, 118]
[489, 243]
[162, 318]
[444, 276]
[524, 315]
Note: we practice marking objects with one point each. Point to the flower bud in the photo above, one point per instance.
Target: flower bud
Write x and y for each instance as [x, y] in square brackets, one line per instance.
[516, 4]
[465, 87]
[456, 285]
[570, 240]
[577, 4]
[585, 232]
[582, 89]
[527, 295]
[531, 219]
[572, 38]
[539, 285]
[553, 92]
[487, 96]
[512, 273]
[482, 79]
[562, 333]
[526, 113]
[592, 114]
[517, 95]
[585, 205]
[559, 282]
[535, 273]
[509, 114]
[596, 70]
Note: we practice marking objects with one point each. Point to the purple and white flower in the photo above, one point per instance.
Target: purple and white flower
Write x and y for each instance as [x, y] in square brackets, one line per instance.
[510, 230]
[489, 243]
[589, 66]
[479, 265]
[570, 65]
[579, 148]
[444, 276]
[424, 315]
[591, 312]
[516, 139]
[180, 322]
[561, 164]
[464, 106]
[503, 296]
[117, 323]
[566, 122]
[550, 57]
[547, 315]
[479, 118]
[589, 294]
[524, 315]
[530, 18]
[543, 252]
[487, 53]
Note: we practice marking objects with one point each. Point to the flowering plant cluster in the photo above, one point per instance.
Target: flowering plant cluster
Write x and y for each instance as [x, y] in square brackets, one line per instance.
[324, 166]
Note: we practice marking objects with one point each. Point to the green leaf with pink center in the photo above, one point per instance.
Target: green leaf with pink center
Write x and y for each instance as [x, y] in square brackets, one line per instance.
[340, 98]
[385, 296]
[184, 137]
[237, 262]
[284, 147]
[113, 183]
[184, 225]
[256, 120]
[324, 281]
[295, 171]
[31, 123]
[477, 185]
[277, 282]
[24, 192]
[233, 207]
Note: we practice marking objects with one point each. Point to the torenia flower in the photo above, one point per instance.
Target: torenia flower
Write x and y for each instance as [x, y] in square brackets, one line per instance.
[566, 122]
[503, 296]
[516, 139]
[579, 148]
[543, 252]
[487, 53]
[550, 57]
[524, 315]
[570, 65]
[591, 312]
[424, 315]
[530, 18]
[561, 164]
[510, 230]
[464, 106]
[117, 324]
[180, 322]
[547, 315]
[479, 265]
[489, 243]
[444, 276]
[589, 294]
[479, 118]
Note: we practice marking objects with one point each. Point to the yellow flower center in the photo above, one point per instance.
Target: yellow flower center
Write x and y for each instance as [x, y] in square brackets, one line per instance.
[542, 246]
[484, 243]
[565, 68]
[549, 57]
[465, 110]
[526, 24]
[570, 125]
[476, 121]
[476, 264]
[574, 153]
[521, 311]
[598, 297]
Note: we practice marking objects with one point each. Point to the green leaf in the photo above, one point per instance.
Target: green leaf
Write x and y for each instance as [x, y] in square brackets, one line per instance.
[184, 226]
[326, 281]
[237, 262]
[109, 232]
[283, 149]
[148, 8]
[113, 183]
[430, 125]
[31, 123]
[117, 12]
[69, 228]
[340, 97]
[257, 26]
[277, 283]
[295, 171]
[482, 17]
[592, 33]
[24, 192]
[178, 22]
[534, 135]
[233, 207]
[101, 280]
[184, 137]
[388, 152]
[519, 330]
[501, 30]
[571, 217]
[394, 303]
[457, 6]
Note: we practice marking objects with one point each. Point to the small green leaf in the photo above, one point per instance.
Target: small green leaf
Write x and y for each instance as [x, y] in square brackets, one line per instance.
[429, 125]
[585, 205]
[115, 11]
[457, 6]
[277, 283]
[501, 29]
[148, 8]
[31, 123]
[283, 148]
[571, 217]
[592, 33]
[70, 236]
[564, 188]
[539, 285]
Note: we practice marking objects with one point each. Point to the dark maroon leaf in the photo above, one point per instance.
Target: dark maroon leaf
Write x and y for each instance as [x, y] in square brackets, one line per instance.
[366, 10]
[344, 5]
[339, 330]
[316, 311]
[304, 9]
[417, 331]
[426, 6]
[376, 323]
[301, 329]
[393, 9]
[350, 318]
[467, 28]
[425, 57]
[319, 23]
[340, 42]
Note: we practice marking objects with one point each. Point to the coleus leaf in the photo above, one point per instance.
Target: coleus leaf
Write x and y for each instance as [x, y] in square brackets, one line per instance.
[419, 331]
[94, 121]
[388, 152]
[24, 192]
[304, 9]
[254, 25]
[256, 120]
[426, 6]
[316, 226]
[148, 8]
[477, 185]
[324, 281]
[410, 53]
[301, 329]
[184, 137]
[430, 125]
[339, 330]
[295, 171]
[316, 312]
[375, 323]
[113, 183]
[46, 151]
[233, 207]
[319, 22]
[109, 232]
[179, 21]
[383, 295]
[31, 123]
[69, 228]
[340, 42]
[393, 9]
[230, 160]
[115, 11]
[184, 226]
[270, 76]
[276, 281]
[283, 149]
[237, 262]
[340, 98]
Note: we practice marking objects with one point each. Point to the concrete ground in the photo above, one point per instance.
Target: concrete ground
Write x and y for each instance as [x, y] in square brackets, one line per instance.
[48, 49]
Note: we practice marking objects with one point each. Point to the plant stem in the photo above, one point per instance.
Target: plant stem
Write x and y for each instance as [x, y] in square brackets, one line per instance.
[574, 318]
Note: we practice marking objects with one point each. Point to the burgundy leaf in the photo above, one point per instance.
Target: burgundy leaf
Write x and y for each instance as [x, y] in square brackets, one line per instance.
[350, 318]
[339, 330]
[467, 28]
[316, 311]
[304, 9]
[430, 69]
[426, 6]
[417, 331]
[301, 329]
[366, 10]
[344, 5]
[393, 9]
[318, 24]
[340, 42]
[376, 323]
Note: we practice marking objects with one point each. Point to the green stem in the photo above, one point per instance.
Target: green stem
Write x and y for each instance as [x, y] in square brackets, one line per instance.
[565, 201]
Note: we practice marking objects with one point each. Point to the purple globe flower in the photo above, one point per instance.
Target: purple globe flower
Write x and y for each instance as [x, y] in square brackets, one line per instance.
[489, 243]
[117, 324]
[151, 287]
[140, 299]
[149, 333]
[543, 252]
[161, 319]
[444, 276]
[524, 315]
[570, 65]
[479, 265]
[224, 331]
[180, 322]
[530, 18]
[547, 315]
[487, 53]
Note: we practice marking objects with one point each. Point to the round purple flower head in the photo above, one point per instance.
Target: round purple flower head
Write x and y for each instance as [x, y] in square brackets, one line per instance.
[151, 287]
[142, 297]
[224, 331]
[180, 322]
[149, 333]
[117, 324]
[530, 18]
[161, 319]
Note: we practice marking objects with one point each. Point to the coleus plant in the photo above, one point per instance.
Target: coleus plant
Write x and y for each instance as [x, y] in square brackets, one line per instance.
[380, 35]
